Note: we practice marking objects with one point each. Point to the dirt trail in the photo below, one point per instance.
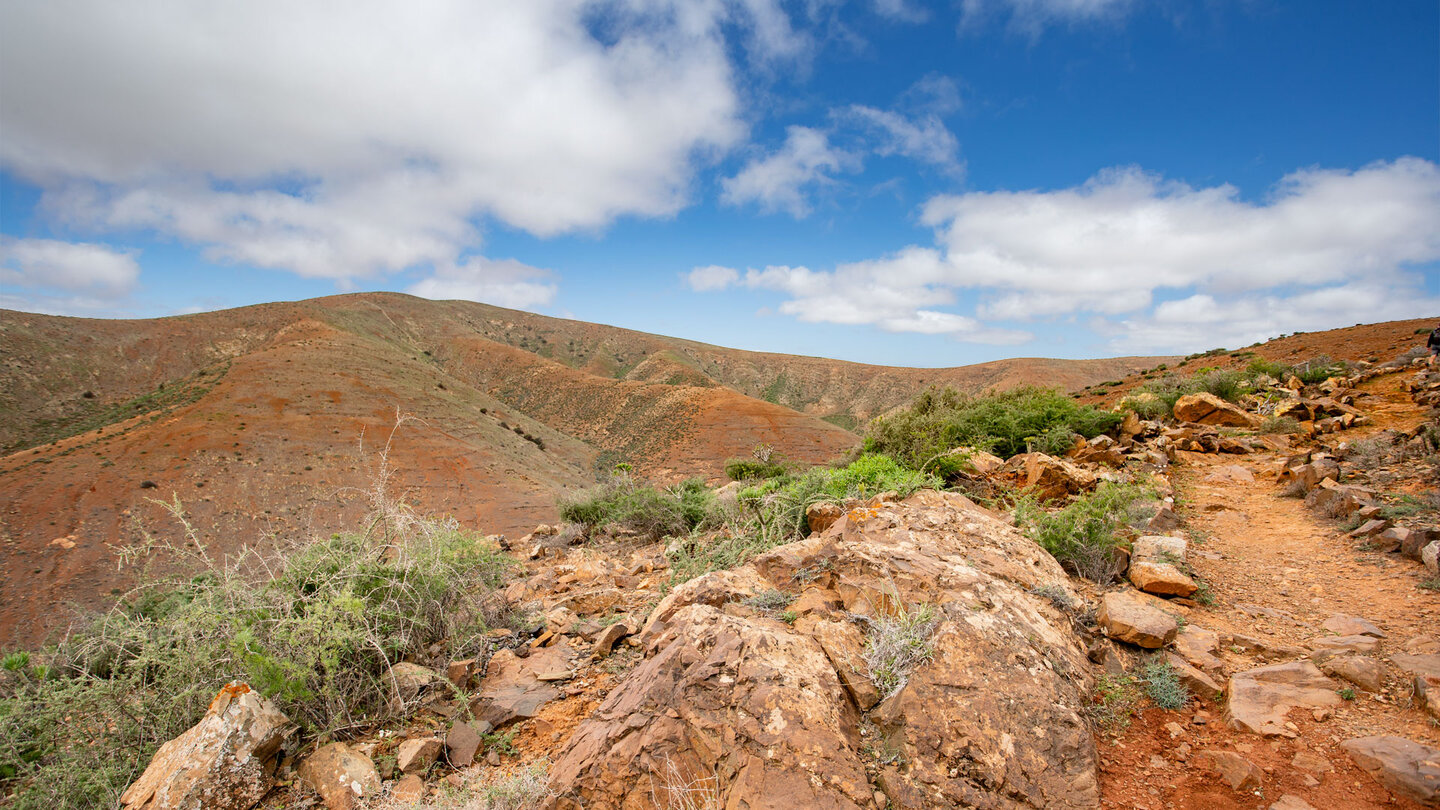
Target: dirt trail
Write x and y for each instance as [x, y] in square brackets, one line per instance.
[1278, 570]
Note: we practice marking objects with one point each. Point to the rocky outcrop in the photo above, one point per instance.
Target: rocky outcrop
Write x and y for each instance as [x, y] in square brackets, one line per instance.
[226, 761]
[767, 714]
[1259, 699]
[341, 775]
[1403, 766]
[1207, 409]
[1047, 477]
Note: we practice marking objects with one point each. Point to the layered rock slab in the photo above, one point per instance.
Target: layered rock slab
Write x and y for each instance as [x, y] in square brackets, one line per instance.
[756, 708]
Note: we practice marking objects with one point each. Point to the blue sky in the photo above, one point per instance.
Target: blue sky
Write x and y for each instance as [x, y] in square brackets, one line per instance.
[884, 181]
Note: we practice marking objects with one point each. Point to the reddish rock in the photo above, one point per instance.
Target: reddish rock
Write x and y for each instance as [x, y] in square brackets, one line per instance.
[1402, 766]
[341, 775]
[1125, 617]
[408, 789]
[1236, 771]
[1160, 578]
[1207, 409]
[226, 761]
[1258, 700]
[1049, 478]
[821, 516]
[1343, 625]
[462, 742]
[417, 754]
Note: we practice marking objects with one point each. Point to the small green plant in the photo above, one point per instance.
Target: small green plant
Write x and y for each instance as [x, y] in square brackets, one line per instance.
[1347, 693]
[15, 662]
[1432, 584]
[768, 600]
[1055, 595]
[626, 504]
[1203, 593]
[789, 616]
[1164, 686]
[896, 644]
[501, 742]
[1115, 701]
[1082, 536]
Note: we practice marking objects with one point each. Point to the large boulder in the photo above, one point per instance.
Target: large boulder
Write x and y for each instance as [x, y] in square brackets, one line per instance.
[1129, 618]
[225, 762]
[769, 714]
[1403, 766]
[1207, 409]
[1049, 478]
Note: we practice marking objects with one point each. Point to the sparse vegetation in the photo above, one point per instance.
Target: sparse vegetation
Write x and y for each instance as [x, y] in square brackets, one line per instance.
[315, 630]
[626, 504]
[1280, 424]
[1116, 699]
[1083, 535]
[941, 419]
[896, 644]
[1164, 686]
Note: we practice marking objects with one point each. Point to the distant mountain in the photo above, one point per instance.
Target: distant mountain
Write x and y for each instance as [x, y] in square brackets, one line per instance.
[267, 422]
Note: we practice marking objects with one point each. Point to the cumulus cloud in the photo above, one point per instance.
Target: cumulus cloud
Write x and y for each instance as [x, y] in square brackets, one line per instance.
[503, 282]
[1324, 248]
[901, 11]
[782, 181]
[714, 277]
[925, 138]
[71, 266]
[346, 145]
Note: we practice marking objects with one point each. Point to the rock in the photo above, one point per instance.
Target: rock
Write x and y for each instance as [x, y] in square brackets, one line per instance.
[1430, 556]
[605, 642]
[1291, 802]
[1338, 500]
[411, 684]
[461, 743]
[1258, 700]
[1343, 625]
[1369, 528]
[418, 753]
[1424, 671]
[1416, 540]
[1165, 520]
[1361, 670]
[341, 775]
[226, 761]
[1207, 409]
[1200, 685]
[1344, 644]
[408, 789]
[1237, 772]
[1306, 477]
[513, 689]
[1160, 547]
[844, 645]
[1124, 617]
[1198, 647]
[1048, 477]
[460, 673]
[821, 516]
[1161, 579]
[1402, 766]
[1314, 763]
[763, 703]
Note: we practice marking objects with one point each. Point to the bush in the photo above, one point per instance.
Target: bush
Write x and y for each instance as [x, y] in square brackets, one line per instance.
[626, 504]
[773, 512]
[941, 419]
[1164, 686]
[749, 469]
[317, 637]
[1083, 535]
[896, 644]
[1279, 424]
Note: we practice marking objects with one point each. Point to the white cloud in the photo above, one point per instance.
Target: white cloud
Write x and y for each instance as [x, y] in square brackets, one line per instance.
[1325, 248]
[77, 267]
[714, 277]
[1032, 16]
[348, 144]
[924, 138]
[503, 282]
[901, 11]
[782, 180]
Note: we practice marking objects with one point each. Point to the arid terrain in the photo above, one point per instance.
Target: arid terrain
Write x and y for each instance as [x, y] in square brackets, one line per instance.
[267, 423]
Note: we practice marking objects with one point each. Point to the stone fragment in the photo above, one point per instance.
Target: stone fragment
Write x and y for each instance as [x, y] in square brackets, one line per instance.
[1369, 528]
[1361, 670]
[844, 645]
[1258, 700]
[1343, 625]
[1200, 685]
[461, 743]
[1160, 578]
[1344, 644]
[226, 761]
[341, 775]
[605, 642]
[418, 753]
[408, 789]
[1430, 556]
[1424, 672]
[1198, 647]
[1236, 771]
[513, 689]
[1312, 762]
[1402, 766]
[1291, 802]
[1207, 409]
[1124, 617]
[1049, 478]
[1159, 547]
[1417, 540]
[1230, 474]
[411, 684]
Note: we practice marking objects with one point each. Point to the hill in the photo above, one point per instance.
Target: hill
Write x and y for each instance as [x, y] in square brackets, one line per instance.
[266, 423]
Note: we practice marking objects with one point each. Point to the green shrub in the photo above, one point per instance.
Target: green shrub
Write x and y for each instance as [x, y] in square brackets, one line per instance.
[1146, 405]
[896, 645]
[317, 636]
[1320, 369]
[626, 504]
[1279, 424]
[773, 512]
[1083, 535]
[750, 469]
[941, 419]
[1116, 699]
[1164, 686]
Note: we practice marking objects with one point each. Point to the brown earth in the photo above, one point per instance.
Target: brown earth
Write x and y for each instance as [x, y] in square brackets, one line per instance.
[266, 423]
[1278, 571]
